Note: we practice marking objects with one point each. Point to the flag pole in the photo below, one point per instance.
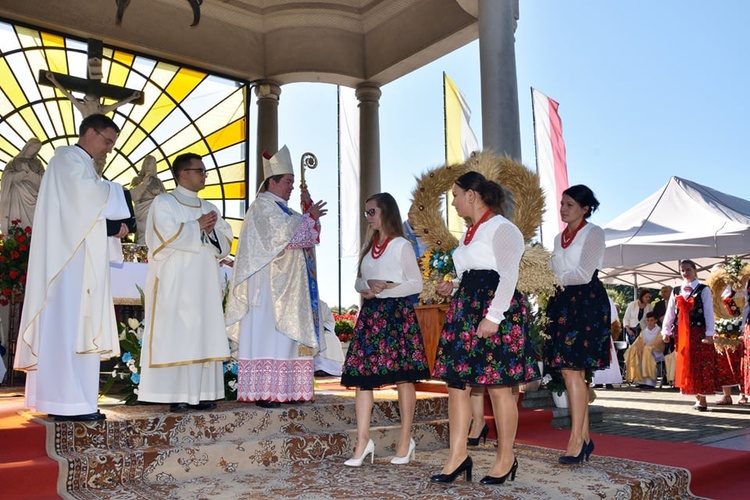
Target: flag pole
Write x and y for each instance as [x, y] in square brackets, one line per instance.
[536, 152]
[338, 146]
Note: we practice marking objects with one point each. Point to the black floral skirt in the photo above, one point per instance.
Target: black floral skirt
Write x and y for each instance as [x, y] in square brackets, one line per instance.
[386, 346]
[506, 358]
[579, 327]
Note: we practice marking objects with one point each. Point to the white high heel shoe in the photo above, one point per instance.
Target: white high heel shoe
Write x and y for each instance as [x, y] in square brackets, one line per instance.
[357, 462]
[409, 455]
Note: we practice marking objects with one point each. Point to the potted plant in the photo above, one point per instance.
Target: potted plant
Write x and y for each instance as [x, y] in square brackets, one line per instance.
[553, 381]
[344, 328]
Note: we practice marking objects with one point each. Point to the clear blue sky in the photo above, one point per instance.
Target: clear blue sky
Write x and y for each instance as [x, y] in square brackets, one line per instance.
[647, 90]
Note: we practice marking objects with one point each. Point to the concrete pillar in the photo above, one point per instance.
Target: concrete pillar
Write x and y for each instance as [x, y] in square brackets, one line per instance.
[501, 130]
[268, 93]
[368, 95]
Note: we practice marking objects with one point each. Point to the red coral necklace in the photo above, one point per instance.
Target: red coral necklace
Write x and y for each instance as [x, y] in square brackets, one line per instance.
[473, 229]
[566, 240]
[376, 250]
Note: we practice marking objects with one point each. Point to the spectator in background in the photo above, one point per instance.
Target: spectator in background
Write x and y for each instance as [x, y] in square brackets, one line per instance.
[634, 319]
[660, 307]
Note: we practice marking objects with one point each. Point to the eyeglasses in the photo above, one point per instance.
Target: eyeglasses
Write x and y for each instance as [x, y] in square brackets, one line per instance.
[201, 170]
[109, 142]
[371, 212]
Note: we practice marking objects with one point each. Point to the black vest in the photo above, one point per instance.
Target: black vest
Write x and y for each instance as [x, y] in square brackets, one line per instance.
[697, 318]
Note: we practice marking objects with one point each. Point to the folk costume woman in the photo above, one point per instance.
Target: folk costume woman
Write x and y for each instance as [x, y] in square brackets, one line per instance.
[387, 345]
[689, 322]
[579, 313]
[485, 339]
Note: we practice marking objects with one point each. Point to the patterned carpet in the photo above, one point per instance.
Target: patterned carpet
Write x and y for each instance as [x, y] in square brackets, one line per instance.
[297, 451]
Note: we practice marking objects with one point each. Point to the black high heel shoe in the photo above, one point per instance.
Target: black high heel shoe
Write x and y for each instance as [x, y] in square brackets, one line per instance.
[482, 435]
[570, 459]
[501, 479]
[466, 465]
[589, 448]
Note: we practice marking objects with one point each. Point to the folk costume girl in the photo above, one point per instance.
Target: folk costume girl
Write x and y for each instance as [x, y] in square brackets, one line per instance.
[729, 361]
[485, 339]
[579, 313]
[387, 345]
[689, 322]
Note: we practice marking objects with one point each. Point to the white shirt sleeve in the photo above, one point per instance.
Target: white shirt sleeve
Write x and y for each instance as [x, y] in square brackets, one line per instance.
[508, 248]
[708, 311]
[669, 316]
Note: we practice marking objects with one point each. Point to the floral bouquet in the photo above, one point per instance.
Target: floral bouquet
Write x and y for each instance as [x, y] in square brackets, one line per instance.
[728, 334]
[436, 266]
[128, 369]
[14, 261]
[344, 327]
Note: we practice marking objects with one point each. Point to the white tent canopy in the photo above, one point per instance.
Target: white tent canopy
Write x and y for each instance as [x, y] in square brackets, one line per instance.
[683, 220]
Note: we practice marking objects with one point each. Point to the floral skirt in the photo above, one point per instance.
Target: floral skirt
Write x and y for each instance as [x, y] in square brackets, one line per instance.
[506, 358]
[702, 377]
[386, 346]
[579, 327]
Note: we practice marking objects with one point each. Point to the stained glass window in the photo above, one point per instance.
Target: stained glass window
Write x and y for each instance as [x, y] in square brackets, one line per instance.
[184, 110]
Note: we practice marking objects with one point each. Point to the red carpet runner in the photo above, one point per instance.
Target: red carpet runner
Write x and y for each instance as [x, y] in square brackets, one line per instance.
[25, 469]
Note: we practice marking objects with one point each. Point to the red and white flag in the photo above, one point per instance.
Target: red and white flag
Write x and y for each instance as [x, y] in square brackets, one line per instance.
[551, 164]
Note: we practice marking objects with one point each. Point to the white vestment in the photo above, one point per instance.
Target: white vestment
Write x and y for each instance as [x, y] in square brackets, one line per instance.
[331, 360]
[68, 322]
[184, 341]
[269, 310]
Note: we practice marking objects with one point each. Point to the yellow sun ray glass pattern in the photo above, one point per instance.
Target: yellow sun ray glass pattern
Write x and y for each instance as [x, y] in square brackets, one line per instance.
[184, 109]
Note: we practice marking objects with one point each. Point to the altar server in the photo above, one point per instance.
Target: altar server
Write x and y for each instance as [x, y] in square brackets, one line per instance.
[184, 341]
[68, 321]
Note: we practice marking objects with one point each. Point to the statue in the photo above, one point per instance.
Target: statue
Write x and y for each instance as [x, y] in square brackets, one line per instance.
[143, 189]
[90, 105]
[19, 186]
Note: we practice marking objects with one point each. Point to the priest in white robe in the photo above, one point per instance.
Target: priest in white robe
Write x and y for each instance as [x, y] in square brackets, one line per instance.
[68, 321]
[272, 308]
[184, 341]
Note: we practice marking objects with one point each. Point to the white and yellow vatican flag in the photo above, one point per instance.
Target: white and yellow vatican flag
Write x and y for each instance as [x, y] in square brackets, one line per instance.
[460, 142]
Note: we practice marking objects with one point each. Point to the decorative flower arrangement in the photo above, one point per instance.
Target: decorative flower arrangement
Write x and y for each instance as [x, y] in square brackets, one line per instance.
[729, 327]
[128, 369]
[436, 265]
[344, 327]
[14, 261]
[728, 334]
[734, 268]
[230, 379]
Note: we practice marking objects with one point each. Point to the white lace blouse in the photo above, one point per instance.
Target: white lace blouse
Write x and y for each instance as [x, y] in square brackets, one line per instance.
[397, 264]
[497, 245]
[576, 264]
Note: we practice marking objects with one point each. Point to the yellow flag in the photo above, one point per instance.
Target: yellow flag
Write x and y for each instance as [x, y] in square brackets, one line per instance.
[460, 142]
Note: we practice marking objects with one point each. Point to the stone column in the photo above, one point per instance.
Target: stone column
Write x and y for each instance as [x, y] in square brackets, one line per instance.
[268, 93]
[501, 130]
[368, 95]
